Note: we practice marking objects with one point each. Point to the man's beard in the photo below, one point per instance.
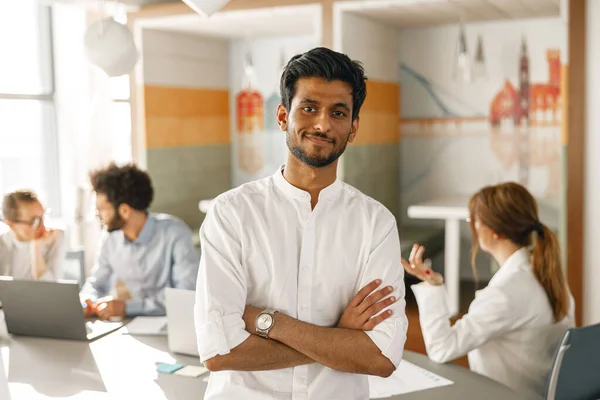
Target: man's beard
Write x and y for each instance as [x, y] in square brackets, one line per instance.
[115, 224]
[315, 161]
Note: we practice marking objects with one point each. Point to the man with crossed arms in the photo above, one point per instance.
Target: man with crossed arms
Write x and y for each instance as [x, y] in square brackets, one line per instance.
[277, 310]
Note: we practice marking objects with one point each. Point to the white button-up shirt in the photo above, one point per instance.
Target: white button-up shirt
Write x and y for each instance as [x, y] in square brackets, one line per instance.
[509, 332]
[263, 245]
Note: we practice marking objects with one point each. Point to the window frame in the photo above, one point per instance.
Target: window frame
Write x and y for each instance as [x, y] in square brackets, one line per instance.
[50, 173]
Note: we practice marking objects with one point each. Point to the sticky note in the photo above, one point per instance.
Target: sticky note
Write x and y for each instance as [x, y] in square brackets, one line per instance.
[168, 368]
[192, 371]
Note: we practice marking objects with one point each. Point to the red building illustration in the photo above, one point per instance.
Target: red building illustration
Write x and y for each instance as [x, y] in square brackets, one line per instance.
[518, 110]
[530, 104]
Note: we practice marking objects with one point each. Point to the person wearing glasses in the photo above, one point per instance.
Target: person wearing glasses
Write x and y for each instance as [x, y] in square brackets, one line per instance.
[29, 250]
[144, 251]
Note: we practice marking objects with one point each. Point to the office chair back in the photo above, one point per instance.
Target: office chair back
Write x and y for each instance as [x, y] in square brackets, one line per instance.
[575, 374]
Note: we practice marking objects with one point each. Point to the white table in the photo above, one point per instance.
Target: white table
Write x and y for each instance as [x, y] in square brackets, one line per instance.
[452, 210]
[122, 367]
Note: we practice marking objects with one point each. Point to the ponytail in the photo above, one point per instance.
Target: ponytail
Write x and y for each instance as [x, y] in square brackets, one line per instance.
[547, 269]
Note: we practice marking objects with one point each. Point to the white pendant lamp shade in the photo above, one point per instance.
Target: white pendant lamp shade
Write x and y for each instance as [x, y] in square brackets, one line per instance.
[109, 46]
[462, 64]
[206, 7]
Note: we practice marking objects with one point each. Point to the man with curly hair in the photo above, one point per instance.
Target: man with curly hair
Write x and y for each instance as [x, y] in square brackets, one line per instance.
[147, 252]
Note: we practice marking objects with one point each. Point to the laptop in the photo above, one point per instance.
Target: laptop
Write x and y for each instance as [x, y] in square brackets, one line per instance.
[180, 321]
[49, 310]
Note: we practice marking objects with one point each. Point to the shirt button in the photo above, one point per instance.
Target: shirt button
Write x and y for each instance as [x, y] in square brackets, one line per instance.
[304, 307]
[306, 266]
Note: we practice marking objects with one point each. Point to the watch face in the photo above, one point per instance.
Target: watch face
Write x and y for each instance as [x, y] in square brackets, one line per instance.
[264, 321]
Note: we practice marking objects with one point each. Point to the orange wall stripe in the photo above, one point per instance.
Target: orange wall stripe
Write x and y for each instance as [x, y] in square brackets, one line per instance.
[178, 117]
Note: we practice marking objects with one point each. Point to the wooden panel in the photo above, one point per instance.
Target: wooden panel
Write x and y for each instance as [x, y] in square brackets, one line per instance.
[327, 24]
[186, 117]
[575, 151]
[379, 114]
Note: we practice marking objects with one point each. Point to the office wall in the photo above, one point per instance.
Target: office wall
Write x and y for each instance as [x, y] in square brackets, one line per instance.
[591, 252]
[449, 144]
[269, 55]
[186, 97]
[371, 163]
[454, 140]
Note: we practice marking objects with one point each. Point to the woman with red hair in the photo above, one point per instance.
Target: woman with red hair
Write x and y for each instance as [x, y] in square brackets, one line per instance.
[514, 325]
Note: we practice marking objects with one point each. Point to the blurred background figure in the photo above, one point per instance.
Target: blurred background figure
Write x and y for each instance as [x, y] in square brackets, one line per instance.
[29, 250]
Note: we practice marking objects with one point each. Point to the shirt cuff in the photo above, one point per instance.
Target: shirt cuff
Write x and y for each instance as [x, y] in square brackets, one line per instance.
[134, 307]
[390, 337]
[431, 299]
[220, 334]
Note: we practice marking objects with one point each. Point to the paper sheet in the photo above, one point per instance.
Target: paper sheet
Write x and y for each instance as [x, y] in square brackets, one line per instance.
[147, 326]
[407, 378]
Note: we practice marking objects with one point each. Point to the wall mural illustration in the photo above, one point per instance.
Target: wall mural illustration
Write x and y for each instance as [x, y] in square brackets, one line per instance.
[250, 123]
[520, 129]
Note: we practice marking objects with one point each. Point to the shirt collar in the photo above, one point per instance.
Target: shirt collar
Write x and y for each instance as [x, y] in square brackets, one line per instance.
[513, 263]
[147, 230]
[330, 192]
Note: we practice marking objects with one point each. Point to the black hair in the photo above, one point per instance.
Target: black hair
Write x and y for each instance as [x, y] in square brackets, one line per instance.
[125, 184]
[327, 64]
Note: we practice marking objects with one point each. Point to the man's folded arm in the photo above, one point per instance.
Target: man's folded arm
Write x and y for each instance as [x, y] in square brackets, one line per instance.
[375, 352]
[223, 340]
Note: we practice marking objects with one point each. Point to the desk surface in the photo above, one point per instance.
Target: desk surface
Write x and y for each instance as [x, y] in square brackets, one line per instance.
[120, 366]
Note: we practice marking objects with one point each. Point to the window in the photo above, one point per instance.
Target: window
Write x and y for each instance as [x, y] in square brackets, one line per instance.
[28, 139]
[120, 119]
[121, 109]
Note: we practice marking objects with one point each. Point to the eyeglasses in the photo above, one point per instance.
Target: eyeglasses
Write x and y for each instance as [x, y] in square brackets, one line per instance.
[34, 223]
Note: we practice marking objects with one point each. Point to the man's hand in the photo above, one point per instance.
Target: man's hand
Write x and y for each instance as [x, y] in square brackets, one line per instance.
[250, 314]
[108, 307]
[359, 313]
[90, 310]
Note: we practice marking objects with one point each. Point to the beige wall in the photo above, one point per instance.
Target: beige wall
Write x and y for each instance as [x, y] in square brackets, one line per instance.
[186, 117]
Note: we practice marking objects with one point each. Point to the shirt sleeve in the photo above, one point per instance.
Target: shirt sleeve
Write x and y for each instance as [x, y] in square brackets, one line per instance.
[101, 278]
[55, 257]
[183, 273]
[221, 289]
[489, 316]
[185, 260]
[384, 263]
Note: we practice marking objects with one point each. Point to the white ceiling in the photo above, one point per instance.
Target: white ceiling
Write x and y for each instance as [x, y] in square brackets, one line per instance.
[410, 13]
[279, 21]
[301, 20]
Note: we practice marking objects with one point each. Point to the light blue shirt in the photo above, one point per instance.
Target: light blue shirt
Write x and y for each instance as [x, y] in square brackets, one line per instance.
[162, 256]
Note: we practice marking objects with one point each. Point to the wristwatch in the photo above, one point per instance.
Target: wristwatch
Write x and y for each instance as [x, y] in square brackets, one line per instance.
[264, 322]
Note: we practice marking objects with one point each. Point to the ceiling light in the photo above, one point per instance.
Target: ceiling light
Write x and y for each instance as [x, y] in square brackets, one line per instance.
[462, 66]
[479, 70]
[206, 7]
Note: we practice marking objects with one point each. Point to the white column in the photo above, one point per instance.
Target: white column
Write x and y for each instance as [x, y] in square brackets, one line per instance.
[452, 264]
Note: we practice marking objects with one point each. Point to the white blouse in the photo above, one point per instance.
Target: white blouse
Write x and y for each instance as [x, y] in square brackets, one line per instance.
[16, 258]
[509, 332]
